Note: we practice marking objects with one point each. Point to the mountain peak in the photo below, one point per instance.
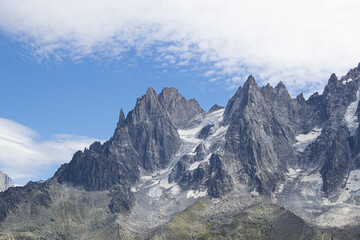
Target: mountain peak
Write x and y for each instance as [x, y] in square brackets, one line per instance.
[250, 81]
[300, 97]
[183, 112]
[150, 92]
[215, 108]
[169, 91]
[333, 78]
[280, 85]
[121, 118]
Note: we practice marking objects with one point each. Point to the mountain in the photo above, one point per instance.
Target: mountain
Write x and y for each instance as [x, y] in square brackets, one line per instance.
[5, 182]
[266, 166]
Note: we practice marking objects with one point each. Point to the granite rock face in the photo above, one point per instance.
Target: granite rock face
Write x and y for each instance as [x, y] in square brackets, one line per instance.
[5, 182]
[260, 134]
[144, 141]
[184, 113]
[265, 124]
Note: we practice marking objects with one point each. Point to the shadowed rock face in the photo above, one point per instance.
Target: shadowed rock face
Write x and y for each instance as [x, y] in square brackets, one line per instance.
[184, 113]
[146, 139]
[264, 122]
[212, 177]
[36, 196]
[262, 126]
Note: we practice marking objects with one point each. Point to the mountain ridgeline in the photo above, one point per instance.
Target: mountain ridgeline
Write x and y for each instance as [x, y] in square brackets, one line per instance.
[169, 163]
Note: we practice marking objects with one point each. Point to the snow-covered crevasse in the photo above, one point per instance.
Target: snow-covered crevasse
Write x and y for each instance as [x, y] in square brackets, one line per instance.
[303, 140]
[350, 118]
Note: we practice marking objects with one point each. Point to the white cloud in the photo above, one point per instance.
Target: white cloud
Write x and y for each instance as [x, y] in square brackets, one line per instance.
[24, 158]
[299, 42]
[209, 73]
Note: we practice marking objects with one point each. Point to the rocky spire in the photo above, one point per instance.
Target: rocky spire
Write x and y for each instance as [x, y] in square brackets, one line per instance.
[184, 113]
[121, 121]
[250, 82]
[333, 78]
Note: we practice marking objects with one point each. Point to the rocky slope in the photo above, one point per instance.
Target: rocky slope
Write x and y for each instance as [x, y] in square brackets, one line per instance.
[244, 217]
[301, 156]
[5, 182]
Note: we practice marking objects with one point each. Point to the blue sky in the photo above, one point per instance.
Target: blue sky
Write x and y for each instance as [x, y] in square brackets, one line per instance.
[84, 98]
[67, 68]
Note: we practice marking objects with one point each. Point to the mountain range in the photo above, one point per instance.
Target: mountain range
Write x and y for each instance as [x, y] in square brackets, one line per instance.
[266, 166]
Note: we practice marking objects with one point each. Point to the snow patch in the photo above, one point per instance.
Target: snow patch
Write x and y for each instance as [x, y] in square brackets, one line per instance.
[164, 183]
[350, 118]
[316, 177]
[280, 188]
[189, 135]
[153, 183]
[353, 182]
[303, 140]
[293, 173]
[346, 81]
[254, 192]
[220, 130]
[146, 178]
[352, 185]
[195, 165]
[196, 194]
[175, 190]
[155, 192]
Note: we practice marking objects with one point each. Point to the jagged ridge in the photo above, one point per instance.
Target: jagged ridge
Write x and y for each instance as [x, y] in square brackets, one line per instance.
[168, 152]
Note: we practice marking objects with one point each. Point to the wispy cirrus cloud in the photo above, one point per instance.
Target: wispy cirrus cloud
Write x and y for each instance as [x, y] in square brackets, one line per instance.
[299, 42]
[25, 158]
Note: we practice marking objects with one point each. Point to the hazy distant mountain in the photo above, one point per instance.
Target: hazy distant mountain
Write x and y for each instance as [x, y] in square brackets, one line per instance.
[5, 182]
[266, 166]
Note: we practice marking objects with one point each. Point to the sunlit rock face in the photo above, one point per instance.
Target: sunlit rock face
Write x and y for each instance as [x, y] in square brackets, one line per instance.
[5, 182]
[168, 155]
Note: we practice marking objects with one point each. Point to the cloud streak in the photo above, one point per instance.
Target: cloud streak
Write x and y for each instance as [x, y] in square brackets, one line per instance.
[24, 158]
[297, 42]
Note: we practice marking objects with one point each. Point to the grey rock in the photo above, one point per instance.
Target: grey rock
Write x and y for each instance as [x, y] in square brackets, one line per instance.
[5, 182]
[184, 113]
[204, 132]
[215, 108]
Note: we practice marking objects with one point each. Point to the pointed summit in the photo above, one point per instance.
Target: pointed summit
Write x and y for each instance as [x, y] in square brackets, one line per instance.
[250, 81]
[169, 92]
[215, 108]
[121, 118]
[150, 92]
[333, 78]
[184, 113]
[300, 97]
[280, 85]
